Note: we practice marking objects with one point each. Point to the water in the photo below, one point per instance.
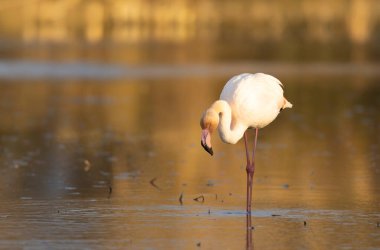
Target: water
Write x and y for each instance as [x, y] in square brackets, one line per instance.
[99, 125]
[98, 160]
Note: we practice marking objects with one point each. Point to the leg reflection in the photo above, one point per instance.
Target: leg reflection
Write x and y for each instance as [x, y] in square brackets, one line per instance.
[249, 245]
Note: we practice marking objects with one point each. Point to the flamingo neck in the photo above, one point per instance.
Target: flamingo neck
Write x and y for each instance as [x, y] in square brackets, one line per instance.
[229, 131]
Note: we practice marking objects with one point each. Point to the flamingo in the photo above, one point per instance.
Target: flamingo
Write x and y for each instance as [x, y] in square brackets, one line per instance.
[247, 101]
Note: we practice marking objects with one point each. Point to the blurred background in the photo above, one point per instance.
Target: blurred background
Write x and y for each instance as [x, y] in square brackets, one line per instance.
[186, 31]
[100, 103]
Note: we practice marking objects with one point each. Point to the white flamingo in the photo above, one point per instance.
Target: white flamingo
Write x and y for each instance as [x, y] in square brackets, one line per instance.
[246, 101]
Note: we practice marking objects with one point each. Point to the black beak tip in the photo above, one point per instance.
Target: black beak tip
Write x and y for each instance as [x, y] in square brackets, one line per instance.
[208, 149]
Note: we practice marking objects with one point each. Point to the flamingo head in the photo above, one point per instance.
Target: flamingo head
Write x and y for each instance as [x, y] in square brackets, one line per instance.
[209, 122]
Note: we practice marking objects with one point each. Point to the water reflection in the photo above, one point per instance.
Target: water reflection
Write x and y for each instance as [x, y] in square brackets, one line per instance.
[67, 143]
[249, 240]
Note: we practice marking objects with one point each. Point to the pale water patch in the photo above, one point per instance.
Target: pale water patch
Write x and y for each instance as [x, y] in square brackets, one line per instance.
[24, 69]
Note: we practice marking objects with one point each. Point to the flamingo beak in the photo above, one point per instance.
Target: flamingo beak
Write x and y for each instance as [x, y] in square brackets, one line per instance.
[206, 141]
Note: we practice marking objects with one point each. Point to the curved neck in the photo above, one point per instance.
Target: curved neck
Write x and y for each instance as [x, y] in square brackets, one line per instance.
[229, 132]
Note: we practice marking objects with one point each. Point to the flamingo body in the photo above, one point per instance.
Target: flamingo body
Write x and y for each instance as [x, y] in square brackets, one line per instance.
[255, 99]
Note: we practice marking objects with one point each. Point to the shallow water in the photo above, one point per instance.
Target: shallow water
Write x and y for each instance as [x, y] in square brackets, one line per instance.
[102, 164]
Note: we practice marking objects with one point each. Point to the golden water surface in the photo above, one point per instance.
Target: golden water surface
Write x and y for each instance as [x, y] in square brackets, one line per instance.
[65, 145]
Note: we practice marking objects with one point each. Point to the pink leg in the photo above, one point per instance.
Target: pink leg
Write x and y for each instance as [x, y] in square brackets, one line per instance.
[247, 169]
[250, 169]
[254, 144]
